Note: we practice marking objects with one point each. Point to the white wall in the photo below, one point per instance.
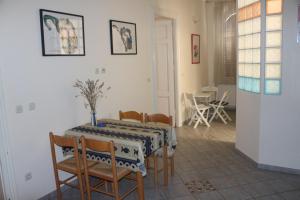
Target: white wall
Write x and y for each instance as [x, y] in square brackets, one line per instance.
[280, 115]
[248, 124]
[268, 126]
[47, 81]
[189, 18]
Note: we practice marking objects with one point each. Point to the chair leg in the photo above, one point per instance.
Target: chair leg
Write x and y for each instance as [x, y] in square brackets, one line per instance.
[198, 121]
[106, 186]
[155, 170]
[58, 190]
[192, 119]
[207, 114]
[227, 116]
[147, 163]
[214, 115]
[222, 118]
[79, 176]
[205, 121]
[116, 190]
[88, 189]
[165, 165]
[140, 185]
[172, 166]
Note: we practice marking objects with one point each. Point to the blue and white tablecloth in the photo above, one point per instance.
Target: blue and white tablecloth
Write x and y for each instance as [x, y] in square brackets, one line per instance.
[133, 141]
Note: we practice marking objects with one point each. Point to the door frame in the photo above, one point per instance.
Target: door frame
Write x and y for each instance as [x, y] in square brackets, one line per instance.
[173, 17]
[7, 171]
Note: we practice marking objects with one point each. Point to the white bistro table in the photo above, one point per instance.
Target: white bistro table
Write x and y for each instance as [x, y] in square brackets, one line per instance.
[203, 97]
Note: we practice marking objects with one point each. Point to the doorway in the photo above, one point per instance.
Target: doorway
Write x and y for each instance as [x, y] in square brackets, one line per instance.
[164, 73]
[7, 179]
[222, 47]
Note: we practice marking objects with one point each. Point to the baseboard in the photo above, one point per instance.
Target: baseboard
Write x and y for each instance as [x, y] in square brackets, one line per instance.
[270, 167]
[279, 169]
[53, 194]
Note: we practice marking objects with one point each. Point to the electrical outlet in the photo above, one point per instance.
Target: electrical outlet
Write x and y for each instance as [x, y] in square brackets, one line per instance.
[103, 70]
[19, 109]
[28, 176]
[31, 106]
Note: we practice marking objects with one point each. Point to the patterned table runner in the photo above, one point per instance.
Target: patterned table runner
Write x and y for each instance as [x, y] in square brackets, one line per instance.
[169, 132]
[133, 141]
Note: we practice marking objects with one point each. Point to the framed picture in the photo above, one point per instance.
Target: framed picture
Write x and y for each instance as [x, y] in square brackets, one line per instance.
[62, 33]
[195, 48]
[122, 38]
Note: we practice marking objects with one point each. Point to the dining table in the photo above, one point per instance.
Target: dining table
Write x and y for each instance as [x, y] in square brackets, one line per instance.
[134, 143]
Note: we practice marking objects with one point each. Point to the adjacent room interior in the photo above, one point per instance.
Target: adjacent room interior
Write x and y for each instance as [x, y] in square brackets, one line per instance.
[149, 99]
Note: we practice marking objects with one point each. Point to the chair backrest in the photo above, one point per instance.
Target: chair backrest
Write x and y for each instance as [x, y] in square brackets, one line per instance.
[161, 118]
[191, 99]
[98, 146]
[224, 97]
[131, 115]
[188, 99]
[62, 141]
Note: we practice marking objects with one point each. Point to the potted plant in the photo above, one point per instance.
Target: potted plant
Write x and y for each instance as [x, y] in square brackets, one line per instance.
[91, 90]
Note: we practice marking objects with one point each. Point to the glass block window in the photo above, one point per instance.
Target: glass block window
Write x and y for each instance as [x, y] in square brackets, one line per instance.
[249, 30]
[273, 46]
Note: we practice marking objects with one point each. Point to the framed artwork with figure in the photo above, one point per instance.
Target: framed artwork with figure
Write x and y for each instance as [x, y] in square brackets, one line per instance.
[195, 48]
[62, 33]
[123, 38]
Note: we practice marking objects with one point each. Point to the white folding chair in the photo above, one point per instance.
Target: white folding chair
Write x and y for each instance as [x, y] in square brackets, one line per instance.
[219, 110]
[189, 105]
[197, 111]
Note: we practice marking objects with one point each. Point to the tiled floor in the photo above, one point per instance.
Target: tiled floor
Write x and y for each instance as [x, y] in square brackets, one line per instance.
[208, 154]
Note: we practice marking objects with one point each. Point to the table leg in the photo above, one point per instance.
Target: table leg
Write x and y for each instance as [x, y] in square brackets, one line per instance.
[165, 161]
[140, 185]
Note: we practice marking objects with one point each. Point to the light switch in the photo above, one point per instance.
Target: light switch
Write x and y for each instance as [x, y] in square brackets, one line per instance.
[97, 71]
[31, 106]
[19, 109]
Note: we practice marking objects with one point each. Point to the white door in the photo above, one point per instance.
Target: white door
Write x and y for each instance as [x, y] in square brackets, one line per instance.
[165, 68]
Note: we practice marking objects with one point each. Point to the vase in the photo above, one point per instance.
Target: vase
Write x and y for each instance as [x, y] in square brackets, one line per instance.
[93, 119]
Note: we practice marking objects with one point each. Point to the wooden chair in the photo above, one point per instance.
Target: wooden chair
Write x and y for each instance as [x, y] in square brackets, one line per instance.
[131, 115]
[108, 173]
[160, 118]
[72, 165]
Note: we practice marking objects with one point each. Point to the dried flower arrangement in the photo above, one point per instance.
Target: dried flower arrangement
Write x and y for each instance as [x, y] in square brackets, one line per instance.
[91, 90]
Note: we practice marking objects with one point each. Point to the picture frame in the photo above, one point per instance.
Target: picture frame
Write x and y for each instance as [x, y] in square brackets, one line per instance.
[62, 33]
[123, 39]
[195, 48]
